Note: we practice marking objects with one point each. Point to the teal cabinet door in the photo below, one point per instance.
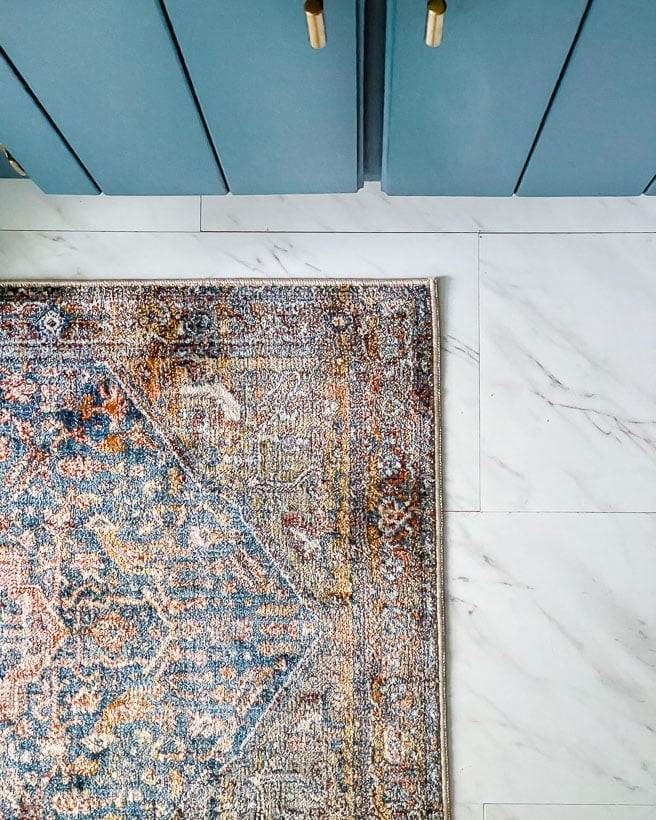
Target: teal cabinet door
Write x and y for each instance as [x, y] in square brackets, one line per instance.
[651, 188]
[599, 137]
[28, 134]
[460, 119]
[283, 116]
[109, 75]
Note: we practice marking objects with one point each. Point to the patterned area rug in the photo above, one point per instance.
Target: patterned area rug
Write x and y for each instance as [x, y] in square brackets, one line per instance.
[220, 552]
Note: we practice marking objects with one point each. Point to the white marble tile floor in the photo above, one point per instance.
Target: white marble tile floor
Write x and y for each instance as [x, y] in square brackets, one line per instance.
[577, 812]
[568, 372]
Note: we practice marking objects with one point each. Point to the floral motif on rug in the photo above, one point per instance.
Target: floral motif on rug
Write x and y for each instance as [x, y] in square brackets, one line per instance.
[220, 560]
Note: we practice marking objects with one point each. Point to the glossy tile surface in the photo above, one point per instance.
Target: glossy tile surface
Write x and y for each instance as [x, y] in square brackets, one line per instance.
[552, 637]
[590, 812]
[467, 811]
[371, 210]
[568, 353]
[24, 207]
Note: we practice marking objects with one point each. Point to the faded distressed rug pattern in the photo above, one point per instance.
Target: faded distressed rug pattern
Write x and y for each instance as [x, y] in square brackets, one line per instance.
[220, 552]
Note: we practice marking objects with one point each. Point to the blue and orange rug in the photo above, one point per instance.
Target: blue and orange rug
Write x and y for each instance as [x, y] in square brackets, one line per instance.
[220, 552]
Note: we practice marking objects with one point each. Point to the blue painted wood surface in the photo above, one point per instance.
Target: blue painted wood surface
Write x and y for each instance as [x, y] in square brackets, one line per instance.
[109, 75]
[460, 119]
[651, 189]
[599, 137]
[26, 131]
[374, 86]
[283, 116]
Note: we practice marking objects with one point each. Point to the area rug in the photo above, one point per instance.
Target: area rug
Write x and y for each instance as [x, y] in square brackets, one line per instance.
[220, 551]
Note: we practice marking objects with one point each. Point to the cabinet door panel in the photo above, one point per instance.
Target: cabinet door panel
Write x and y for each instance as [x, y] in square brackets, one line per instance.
[108, 74]
[283, 116]
[599, 138]
[460, 119]
[26, 131]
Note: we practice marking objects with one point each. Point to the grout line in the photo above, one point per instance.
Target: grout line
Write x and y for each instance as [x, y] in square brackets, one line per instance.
[283, 231]
[494, 232]
[480, 476]
[553, 512]
[138, 231]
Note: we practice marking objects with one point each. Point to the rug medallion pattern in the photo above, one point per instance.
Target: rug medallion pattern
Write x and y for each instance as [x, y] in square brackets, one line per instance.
[219, 568]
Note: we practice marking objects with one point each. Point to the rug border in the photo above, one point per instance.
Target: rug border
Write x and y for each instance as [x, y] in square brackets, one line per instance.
[439, 549]
[432, 284]
[220, 281]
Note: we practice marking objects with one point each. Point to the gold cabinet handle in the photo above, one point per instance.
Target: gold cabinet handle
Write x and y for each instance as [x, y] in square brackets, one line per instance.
[435, 22]
[315, 23]
[15, 165]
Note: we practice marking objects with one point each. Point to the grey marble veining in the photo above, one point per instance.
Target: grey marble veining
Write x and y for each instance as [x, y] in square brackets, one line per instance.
[24, 207]
[371, 210]
[568, 357]
[552, 635]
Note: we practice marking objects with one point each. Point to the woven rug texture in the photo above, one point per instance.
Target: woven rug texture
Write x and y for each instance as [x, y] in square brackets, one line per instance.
[220, 552]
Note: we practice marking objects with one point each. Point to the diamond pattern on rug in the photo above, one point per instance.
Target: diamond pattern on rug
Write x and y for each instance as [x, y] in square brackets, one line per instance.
[172, 627]
[220, 552]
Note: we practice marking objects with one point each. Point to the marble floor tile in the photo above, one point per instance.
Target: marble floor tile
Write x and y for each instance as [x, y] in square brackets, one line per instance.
[23, 207]
[467, 811]
[371, 210]
[568, 357]
[553, 812]
[552, 658]
[453, 258]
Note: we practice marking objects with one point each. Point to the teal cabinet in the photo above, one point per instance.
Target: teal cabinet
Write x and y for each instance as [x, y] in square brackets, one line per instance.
[599, 136]
[27, 132]
[460, 119]
[108, 74]
[283, 116]
[205, 96]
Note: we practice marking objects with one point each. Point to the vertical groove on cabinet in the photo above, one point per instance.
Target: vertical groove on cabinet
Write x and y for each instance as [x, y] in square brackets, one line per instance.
[360, 33]
[374, 86]
[109, 76]
[460, 119]
[192, 89]
[651, 183]
[51, 122]
[284, 117]
[553, 94]
[598, 137]
[390, 13]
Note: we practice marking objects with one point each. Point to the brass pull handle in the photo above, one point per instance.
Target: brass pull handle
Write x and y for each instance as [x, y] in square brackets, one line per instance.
[315, 23]
[435, 22]
[15, 165]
